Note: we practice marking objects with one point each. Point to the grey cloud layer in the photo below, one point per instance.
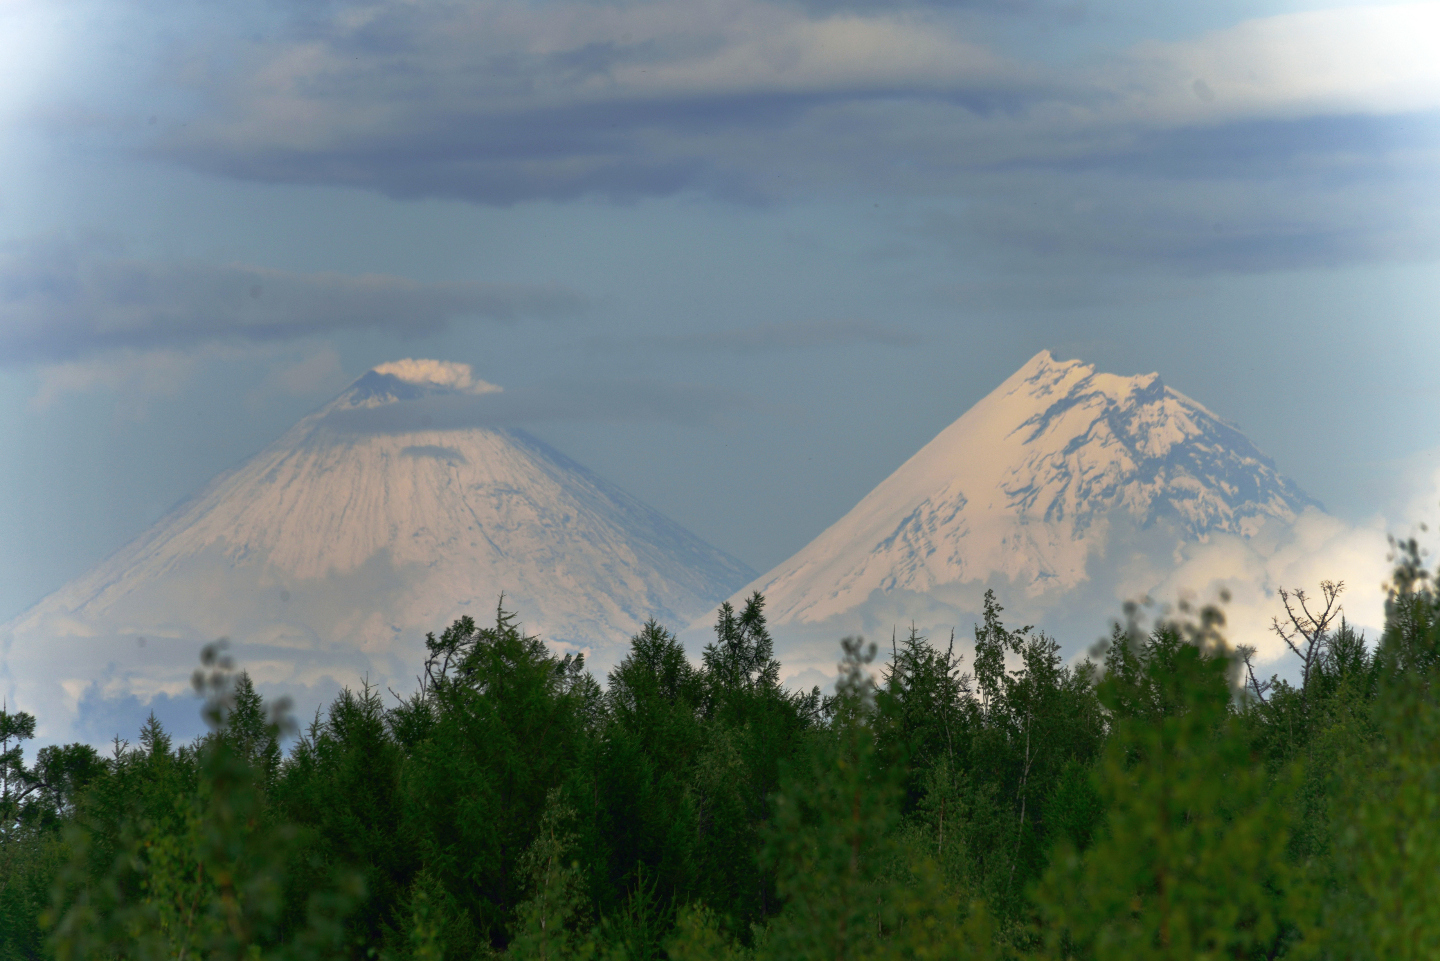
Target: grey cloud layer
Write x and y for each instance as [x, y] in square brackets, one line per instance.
[1330, 118]
[637, 400]
[61, 301]
[498, 102]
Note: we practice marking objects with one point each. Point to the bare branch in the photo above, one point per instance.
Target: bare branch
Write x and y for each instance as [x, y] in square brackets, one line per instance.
[1246, 654]
[1308, 633]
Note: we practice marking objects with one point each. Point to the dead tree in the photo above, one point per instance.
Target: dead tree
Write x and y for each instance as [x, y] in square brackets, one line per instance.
[1308, 631]
[1247, 655]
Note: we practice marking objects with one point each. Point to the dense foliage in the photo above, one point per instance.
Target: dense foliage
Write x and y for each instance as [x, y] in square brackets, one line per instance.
[1162, 803]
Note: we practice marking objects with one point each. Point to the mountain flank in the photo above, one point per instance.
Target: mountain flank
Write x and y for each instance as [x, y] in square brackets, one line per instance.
[1033, 488]
[328, 555]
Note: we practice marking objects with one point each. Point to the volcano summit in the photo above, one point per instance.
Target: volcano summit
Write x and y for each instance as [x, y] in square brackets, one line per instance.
[328, 555]
[1063, 488]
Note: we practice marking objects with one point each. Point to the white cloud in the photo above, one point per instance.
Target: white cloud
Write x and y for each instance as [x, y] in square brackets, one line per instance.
[1316, 548]
[1368, 59]
[441, 373]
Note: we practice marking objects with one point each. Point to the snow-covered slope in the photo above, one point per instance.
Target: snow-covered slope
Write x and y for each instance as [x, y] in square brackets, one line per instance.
[1028, 489]
[331, 552]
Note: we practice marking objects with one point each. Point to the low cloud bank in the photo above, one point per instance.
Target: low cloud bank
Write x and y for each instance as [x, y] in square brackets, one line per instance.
[1137, 565]
[690, 404]
[64, 302]
[1316, 548]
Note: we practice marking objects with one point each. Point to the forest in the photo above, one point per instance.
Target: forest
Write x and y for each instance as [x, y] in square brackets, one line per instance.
[1158, 800]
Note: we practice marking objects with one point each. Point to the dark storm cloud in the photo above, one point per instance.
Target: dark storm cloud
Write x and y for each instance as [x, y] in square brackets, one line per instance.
[61, 301]
[636, 400]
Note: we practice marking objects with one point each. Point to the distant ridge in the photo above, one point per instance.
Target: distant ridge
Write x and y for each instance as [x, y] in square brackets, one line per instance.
[326, 556]
[1027, 488]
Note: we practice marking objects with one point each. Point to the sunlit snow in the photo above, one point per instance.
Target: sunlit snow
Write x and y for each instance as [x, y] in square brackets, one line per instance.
[328, 555]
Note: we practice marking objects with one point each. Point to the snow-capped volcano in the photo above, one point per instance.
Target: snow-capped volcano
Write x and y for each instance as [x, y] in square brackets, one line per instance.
[328, 555]
[1028, 489]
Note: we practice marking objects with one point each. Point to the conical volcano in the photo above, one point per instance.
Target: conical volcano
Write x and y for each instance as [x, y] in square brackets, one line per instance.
[328, 555]
[1054, 479]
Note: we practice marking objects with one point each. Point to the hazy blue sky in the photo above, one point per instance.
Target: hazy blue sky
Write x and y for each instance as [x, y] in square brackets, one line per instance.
[741, 257]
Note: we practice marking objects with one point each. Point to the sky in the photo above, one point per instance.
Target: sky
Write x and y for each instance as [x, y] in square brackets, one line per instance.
[741, 257]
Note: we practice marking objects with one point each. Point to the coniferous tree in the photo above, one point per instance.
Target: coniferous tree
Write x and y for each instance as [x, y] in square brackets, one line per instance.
[1190, 860]
[751, 725]
[833, 834]
[648, 817]
[852, 886]
[550, 923]
[198, 867]
[1388, 849]
[34, 800]
[343, 779]
[506, 722]
[1148, 808]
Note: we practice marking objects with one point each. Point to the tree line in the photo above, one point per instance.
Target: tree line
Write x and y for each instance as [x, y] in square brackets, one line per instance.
[1157, 801]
